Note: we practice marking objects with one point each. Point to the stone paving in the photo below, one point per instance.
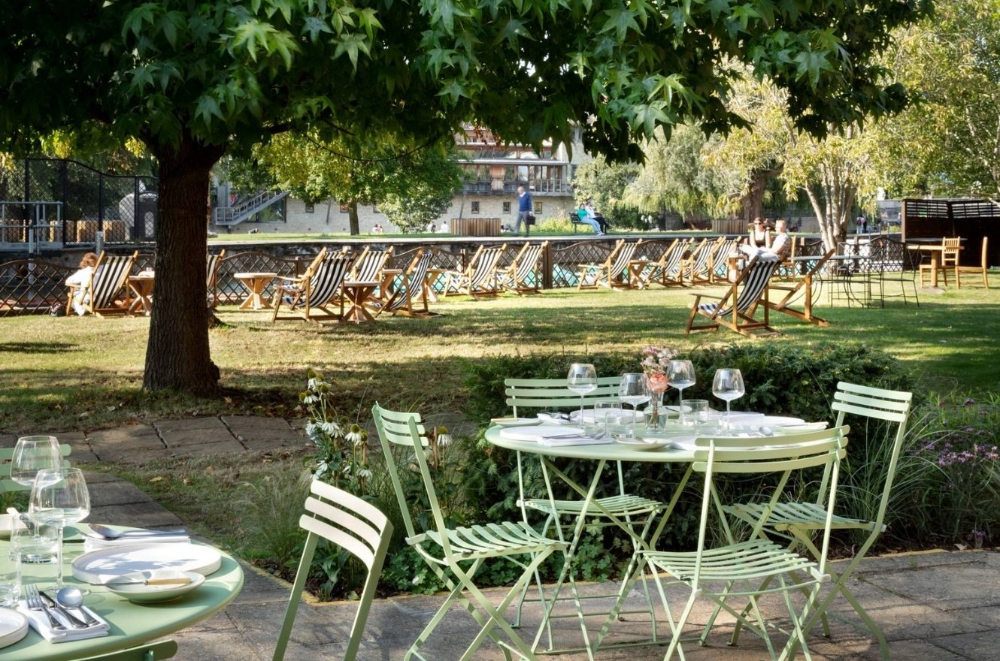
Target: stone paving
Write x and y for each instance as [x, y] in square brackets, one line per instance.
[931, 606]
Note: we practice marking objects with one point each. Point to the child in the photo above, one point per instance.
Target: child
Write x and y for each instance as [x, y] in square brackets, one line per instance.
[81, 280]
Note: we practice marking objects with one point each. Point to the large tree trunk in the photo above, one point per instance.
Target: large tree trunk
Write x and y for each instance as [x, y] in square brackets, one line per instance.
[752, 204]
[177, 354]
[352, 217]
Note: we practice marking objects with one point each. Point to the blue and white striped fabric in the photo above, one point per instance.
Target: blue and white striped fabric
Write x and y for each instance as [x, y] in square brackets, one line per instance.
[725, 249]
[412, 284]
[700, 266]
[370, 268]
[109, 278]
[484, 270]
[324, 283]
[527, 262]
[624, 256]
[754, 285]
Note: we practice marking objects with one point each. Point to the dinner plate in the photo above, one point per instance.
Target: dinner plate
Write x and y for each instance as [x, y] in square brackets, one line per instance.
[100, 566]
[516, 422]
[138, 593]
[538, 432]
[13, 627]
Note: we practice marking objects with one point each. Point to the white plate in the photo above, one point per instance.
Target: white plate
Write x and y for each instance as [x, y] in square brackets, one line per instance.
[536, 433]
[99, 567]
[516, 422]
[153, 594]
[590, 415]
[13, 627]
[5, 520]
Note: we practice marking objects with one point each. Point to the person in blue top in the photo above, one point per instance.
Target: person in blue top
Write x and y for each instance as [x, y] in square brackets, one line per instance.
[525, 205]
[587, 218]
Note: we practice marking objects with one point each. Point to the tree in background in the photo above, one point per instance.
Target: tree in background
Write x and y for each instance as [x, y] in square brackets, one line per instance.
[189, 80]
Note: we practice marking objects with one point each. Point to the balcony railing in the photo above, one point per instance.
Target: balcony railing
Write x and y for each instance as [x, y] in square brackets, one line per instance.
[509, 187]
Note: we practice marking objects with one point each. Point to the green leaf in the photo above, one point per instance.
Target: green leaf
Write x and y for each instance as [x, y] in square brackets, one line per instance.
[206, 109]
[621, 21]
[313, 26]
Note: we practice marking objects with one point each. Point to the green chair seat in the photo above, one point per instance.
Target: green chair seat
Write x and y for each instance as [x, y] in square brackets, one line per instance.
[753, 559]
[618, 506]
[801, 515]
[495, 539]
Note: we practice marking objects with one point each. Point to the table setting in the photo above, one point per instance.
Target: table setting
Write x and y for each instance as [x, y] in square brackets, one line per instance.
[70, 589]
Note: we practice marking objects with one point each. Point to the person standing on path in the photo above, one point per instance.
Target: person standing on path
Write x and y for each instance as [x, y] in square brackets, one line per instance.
[525, 206]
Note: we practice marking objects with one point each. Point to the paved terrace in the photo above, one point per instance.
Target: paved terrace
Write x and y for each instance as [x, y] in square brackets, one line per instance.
[932, 606]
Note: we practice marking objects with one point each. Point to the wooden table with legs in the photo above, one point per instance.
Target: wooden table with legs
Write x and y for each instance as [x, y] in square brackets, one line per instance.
[142, 289]
[357, 294]
[256, 283]
[936, 251]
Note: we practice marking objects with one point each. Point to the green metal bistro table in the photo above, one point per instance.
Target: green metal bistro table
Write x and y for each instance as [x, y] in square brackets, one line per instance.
[600, 455]
[131, 624]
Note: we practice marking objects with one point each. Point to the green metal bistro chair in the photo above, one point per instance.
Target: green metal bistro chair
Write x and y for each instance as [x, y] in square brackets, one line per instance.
[444, 549]
[353, 525]
[635, 510]
[717, 573]
[800, 520]
[165, 649]
[7, 484]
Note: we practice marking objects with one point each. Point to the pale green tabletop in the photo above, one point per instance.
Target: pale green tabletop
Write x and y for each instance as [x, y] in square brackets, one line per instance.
[132, 624]
[607, 451]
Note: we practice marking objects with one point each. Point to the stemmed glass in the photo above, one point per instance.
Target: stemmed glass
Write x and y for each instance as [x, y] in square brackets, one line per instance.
[59, 497]
[728, 385]
[582, 379]
[32, 454]
[680, 373]
[633, 390]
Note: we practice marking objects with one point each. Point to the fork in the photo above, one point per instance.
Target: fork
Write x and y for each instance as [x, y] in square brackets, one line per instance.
[34, 601]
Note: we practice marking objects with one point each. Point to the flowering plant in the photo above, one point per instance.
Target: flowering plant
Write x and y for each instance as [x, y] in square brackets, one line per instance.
[342, 459]
[655, 361]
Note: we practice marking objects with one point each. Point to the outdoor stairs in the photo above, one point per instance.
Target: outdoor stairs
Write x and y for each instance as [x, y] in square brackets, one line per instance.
[234, 215]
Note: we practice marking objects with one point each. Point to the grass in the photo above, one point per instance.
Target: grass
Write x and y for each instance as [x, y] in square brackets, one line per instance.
[85, 373]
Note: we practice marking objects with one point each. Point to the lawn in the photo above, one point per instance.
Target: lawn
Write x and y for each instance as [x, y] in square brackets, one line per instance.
[85, 373]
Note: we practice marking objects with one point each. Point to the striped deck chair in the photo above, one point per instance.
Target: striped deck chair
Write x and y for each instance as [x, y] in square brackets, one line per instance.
[368, 267]
[719, 267]
[736, 308]
[697, 270]
[211, 277]
[524, 275]
[642, 272]
[609, 274]
[108, 281]
[804, 288]
[316, 289]
[480, 277]
[411, 289]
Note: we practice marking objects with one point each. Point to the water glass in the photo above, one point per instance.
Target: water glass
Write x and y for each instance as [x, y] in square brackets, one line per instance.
[36, 547]
[59, 497]
[618, 425]
[696, 410]
[10, 578]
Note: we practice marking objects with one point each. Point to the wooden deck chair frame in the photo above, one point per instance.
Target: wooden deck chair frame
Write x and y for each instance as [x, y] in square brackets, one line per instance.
[212, 277]
[980, 270]
[799, 521]
[528, 262]
[414, 286]
[164, 649]
[720, 573]
[304, 300]
[480, 277]
[445, 550]
[804, 289]
[698, 270]
[642, 272]
[637, 511]
[104, 287]
[353, 525]
[608, 273]
[734, 310]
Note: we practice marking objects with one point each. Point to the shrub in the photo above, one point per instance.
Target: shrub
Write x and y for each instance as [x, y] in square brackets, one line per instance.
[559, 224]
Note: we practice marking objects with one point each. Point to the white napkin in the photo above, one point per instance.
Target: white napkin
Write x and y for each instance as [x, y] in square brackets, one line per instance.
[592, 415]
[40, 623]
[93, 544]
[554, 419]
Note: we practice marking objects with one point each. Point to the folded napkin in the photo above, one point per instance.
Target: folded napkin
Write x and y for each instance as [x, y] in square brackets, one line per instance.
[93, 544]
[593, 415]
[576, 439]
[40, 623]
[554, 418]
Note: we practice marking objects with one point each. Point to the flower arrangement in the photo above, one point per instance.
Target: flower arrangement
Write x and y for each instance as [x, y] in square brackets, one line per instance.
[655, 361]
[342, 459]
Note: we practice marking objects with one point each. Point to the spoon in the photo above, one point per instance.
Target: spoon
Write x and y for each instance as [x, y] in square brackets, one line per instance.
[70, 597]
[111, 533]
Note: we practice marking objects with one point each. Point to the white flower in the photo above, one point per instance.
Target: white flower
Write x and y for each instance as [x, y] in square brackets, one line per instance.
[310, 399]
[311, 384]
[355, 436]
[310, 429]
[331, 428]
[418, 579]
[364, 473]
[444, 439]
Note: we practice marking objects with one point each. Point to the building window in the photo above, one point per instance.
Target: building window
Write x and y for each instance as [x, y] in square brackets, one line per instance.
[343, 208]
[506, 207]
[310, 208]
[475, 207]
[538, 208]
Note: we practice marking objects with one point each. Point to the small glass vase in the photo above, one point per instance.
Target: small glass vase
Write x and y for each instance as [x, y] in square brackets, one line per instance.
[656, 415]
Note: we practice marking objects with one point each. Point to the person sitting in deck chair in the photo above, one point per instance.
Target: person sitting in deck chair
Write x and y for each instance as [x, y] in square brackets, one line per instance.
[780, 244]
[82, 281]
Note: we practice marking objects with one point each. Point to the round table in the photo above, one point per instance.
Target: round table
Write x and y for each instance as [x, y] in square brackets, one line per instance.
[132, 624]
[256, 282]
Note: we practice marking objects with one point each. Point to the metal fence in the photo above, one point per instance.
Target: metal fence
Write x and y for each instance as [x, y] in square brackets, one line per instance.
[124, 207]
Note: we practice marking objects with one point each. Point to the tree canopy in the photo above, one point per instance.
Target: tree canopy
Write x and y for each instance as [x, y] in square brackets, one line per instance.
[192, 80]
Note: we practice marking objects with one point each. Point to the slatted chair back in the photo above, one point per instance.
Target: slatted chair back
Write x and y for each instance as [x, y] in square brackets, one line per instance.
[324, 282]
[892, 406]
[784, 455]
[527, 261]
[949, 251]
[980, 270]
[720, 263]
[754, 280]
[109, 278]
[624, 256]
[654, 270]
[7, 484]
[355, 526]
[412, 286]
[164, 649]
[368, 266]
[700, 264]
[672, 265]
[554, 393]
[483, 267]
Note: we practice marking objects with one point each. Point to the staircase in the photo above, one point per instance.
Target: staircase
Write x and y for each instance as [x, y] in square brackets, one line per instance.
[234, 215]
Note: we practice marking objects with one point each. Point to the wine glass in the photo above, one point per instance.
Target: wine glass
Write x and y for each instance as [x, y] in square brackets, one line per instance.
[32, 454]
[633, 390]
[728, 385]
[582, 379]
[680, 373]
[59, 497]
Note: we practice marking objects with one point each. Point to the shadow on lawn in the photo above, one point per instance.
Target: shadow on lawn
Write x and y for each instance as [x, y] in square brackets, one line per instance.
[37, 347]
